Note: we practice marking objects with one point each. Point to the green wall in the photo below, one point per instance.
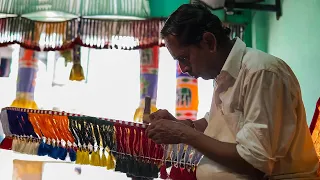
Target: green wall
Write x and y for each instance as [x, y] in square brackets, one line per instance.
[163, 8]
[295, 39]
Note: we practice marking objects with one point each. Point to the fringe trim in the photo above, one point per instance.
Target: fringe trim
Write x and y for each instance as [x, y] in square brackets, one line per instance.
[78, 7]
[93, 33]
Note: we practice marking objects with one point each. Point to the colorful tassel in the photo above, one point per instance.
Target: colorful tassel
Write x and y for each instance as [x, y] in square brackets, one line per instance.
[86, 158]
[95, 159]
[110, 161]
[175, 173]
[163, 172]
[72, 155]
[76, 73]
[103, 162]
[79, 156]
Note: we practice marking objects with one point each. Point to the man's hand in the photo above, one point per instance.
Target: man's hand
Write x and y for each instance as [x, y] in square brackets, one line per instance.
[160, 114]
[164, 131]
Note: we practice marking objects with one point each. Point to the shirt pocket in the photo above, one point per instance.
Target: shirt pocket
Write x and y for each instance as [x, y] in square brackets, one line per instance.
[234, 120]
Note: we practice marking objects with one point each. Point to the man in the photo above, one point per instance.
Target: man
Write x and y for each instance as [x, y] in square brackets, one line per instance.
[257, 125]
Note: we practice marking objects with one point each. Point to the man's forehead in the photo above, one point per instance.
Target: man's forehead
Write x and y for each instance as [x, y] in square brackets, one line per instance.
[172, 45]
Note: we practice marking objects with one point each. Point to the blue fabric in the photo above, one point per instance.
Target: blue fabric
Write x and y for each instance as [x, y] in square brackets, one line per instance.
[1, 137]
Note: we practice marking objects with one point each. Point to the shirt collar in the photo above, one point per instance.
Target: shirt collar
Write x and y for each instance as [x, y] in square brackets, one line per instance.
[234, 60]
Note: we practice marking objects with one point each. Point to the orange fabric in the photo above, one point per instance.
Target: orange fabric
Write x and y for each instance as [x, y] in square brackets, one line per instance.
[315, 128]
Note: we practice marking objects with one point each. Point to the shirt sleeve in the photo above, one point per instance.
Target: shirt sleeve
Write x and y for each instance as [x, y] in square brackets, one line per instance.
[269, 121]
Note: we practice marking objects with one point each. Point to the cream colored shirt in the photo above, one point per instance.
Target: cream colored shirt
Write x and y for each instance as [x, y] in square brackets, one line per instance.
[257, 105]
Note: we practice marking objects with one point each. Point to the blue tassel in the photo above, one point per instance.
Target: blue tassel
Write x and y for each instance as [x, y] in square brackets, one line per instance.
[72, 155]
[47, 149]
[54, 153]
[62, 153]
[41, 149]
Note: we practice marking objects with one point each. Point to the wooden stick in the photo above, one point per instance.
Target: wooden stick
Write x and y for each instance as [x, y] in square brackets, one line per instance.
[147, 109]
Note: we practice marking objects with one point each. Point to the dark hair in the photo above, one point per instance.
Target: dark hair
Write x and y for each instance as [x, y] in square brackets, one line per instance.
[190, 21]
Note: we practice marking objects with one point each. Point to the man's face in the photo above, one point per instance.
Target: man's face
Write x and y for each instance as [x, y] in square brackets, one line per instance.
[196, 60]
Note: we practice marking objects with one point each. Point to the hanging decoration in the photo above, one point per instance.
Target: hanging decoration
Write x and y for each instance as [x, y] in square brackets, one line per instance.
[28, 66]
[113, 144]
[93, 33]
[67, 55]
[76, 73]
[187, 96]
[135, 8]
[149, 62]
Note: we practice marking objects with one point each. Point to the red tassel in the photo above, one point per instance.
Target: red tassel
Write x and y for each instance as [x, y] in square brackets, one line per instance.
[188, 174]
[6, 143]
[163, 172]
[175, 173]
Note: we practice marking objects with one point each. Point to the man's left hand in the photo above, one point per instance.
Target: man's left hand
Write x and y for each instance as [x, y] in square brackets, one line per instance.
[165, 131]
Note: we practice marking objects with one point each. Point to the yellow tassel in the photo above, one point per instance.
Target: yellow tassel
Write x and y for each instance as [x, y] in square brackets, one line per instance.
[24, 103]
[67, 55]
[86, 159]
[79, 156]
[110, 161]
[138, 114]
[103, 162]
[93, 158]
[97, 163]
[76, 73]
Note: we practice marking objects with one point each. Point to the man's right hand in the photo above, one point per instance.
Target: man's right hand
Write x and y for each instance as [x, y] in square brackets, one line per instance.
[160, 114]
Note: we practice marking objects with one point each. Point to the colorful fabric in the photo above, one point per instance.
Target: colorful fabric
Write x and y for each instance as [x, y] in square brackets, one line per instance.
[28, 66]
[315, 128]
[149, 63]
[187, 96]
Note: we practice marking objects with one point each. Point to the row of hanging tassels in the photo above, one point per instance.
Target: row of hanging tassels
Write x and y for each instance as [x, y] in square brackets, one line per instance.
[113, 144]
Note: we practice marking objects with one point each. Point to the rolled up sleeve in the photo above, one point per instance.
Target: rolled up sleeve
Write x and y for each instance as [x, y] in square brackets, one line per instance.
[269, 121]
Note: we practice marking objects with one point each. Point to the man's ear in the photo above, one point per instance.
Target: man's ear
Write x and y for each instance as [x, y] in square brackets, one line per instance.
[210, 41]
